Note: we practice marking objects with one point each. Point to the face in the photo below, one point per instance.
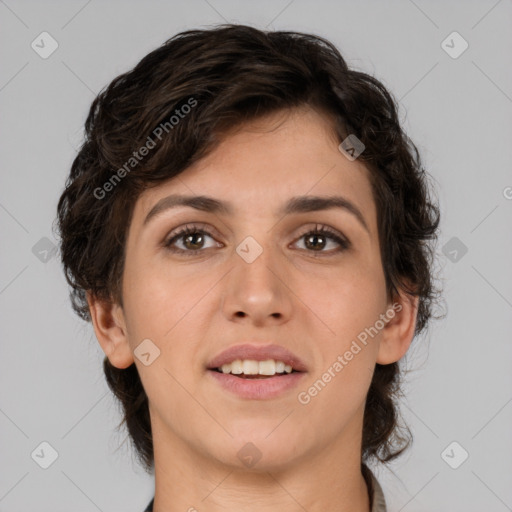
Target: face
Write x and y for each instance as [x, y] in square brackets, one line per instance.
[255, 274]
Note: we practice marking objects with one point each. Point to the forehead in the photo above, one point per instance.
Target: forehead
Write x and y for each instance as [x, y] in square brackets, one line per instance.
[260, 164]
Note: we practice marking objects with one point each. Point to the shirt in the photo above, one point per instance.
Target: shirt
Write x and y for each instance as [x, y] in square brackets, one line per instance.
[378, 503]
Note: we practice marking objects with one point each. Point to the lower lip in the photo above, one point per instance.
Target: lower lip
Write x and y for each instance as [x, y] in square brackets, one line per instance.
[257, 389]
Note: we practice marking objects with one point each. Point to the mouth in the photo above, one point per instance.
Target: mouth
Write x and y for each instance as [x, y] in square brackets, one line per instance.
[252, 369]
[256, 386]
[256, 359]
[256, 372]
[254, 377]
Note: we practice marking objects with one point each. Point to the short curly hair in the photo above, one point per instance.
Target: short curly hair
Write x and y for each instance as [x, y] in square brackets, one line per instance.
[225, 76]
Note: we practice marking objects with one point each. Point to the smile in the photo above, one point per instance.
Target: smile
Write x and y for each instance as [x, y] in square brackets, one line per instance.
[252, 368]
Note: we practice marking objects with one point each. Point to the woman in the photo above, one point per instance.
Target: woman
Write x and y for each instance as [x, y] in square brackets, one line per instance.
[248, 229]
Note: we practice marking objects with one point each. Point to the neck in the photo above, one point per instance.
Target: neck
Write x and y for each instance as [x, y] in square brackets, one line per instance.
[330, 479]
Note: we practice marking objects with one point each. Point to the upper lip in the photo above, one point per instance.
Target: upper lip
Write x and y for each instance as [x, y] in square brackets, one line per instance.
[257, 353]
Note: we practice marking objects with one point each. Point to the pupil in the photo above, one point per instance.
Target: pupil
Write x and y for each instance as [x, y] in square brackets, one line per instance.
[192, 236]
[315, 237]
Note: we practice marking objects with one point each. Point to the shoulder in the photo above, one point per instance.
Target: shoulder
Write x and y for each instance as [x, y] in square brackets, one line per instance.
[149, 508]
[379, 502]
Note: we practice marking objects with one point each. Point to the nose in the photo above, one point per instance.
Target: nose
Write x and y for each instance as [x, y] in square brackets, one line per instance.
[258, 290]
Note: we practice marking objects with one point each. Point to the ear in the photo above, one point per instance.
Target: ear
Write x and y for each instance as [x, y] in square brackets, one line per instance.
[110, 328]
[398, 332]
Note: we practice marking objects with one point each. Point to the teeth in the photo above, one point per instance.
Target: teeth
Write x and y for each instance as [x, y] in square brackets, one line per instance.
[267, 367]
[236, 367]
[252, 367]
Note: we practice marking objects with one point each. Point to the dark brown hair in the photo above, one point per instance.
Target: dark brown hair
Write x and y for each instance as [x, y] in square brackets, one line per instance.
[225, 76]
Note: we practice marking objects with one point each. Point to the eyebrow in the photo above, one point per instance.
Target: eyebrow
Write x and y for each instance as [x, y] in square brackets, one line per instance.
[298, 204]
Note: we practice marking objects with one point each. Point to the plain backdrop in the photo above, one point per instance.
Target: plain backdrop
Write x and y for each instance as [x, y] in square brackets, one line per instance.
[455, 105]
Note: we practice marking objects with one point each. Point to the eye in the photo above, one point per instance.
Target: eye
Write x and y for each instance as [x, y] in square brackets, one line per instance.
[317, 239]
[192, 239]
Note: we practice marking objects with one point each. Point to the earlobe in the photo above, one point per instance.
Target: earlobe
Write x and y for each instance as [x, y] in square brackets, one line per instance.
[399, 331]
[110, 329]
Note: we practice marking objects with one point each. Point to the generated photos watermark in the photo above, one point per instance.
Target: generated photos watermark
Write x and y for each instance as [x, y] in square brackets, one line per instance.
[304, 397]
[143, 151]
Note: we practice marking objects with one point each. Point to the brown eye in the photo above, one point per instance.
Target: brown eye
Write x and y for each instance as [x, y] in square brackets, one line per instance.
[193, 241]
[318, 239]
[315, 241]
[189, 240]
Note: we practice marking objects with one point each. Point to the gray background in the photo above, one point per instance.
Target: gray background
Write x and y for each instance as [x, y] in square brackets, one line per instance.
[457, 110]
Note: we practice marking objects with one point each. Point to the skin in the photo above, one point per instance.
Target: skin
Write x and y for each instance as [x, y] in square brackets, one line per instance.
[312, 301]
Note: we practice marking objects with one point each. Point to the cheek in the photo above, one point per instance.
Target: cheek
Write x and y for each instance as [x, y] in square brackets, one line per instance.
[349, 305]
[167, 305]
[152, 294]
[347, 300]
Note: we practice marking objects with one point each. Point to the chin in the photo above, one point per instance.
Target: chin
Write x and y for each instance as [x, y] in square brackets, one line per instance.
[256, 450]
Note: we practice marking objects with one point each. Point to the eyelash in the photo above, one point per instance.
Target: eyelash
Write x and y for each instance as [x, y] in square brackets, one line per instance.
[319, 230]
